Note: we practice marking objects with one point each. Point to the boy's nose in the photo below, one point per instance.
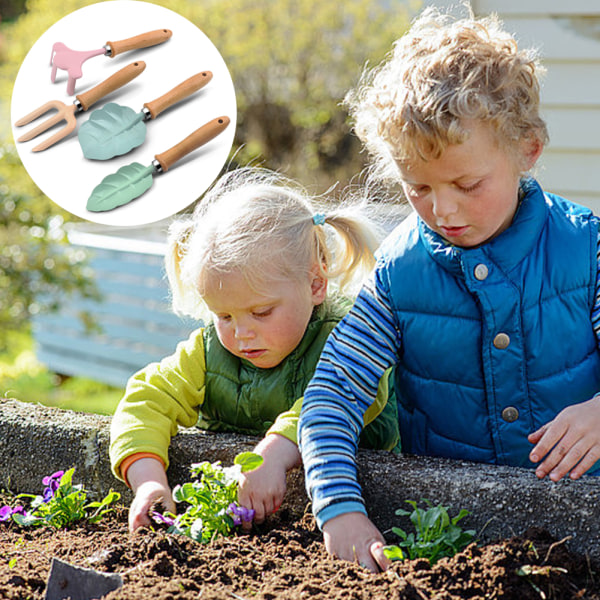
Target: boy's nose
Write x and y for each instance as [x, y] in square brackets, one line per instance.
[443, 204]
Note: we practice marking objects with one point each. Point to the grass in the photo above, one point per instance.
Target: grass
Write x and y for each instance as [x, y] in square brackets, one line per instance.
[24, 378]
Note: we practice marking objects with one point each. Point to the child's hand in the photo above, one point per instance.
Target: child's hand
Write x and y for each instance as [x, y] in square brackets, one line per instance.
[263, 489]
[570, 443]
[353, 537]
[148, 480]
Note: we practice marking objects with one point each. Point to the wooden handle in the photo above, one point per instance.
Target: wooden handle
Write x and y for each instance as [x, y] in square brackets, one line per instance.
[114, 82]
[144, 40]
[201, 136]
[183, 90]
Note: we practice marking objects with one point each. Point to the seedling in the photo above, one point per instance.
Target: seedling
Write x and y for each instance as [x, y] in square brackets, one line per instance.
[212, 510]
[62, 503]
[437, 534]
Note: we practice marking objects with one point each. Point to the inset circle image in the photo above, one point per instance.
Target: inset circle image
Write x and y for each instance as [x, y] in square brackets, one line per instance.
[123, 113]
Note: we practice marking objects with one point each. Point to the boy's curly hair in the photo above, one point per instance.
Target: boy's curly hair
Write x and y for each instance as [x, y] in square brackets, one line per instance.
[439, 75]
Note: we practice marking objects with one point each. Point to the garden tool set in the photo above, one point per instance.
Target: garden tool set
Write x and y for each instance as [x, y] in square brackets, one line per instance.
[114, 130]
[132, 180]
[82, 102]
[63, 57]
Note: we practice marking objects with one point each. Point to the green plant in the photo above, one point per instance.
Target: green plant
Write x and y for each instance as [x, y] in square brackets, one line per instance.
[62, 503]
[212, 509]
[437, 534]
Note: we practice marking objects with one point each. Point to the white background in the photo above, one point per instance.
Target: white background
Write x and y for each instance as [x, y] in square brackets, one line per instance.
[62, 172]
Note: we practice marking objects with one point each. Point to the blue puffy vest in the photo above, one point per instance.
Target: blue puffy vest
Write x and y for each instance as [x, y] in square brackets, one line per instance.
[496, 340]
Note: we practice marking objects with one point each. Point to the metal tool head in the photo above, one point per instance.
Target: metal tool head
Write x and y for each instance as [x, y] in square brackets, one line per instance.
[64, 113]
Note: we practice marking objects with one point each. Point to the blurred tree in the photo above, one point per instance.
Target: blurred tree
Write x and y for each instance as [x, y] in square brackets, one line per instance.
[292, 61]
[38, 268]
[9, 9]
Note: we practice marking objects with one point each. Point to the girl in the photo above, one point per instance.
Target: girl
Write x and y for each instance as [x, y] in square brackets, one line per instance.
[257, 257]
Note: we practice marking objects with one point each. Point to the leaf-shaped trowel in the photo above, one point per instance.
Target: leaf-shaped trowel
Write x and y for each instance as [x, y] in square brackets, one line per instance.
[131, 181]
[114, 130]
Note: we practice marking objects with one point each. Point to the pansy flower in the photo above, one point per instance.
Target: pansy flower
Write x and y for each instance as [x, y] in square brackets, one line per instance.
[6, 512]
[164, 519]
[240, 514]
[53, 483]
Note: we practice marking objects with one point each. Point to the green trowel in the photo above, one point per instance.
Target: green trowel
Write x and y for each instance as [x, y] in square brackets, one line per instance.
[132, 180]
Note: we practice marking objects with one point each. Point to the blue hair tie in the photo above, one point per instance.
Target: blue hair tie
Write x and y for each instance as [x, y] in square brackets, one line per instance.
[319, 219]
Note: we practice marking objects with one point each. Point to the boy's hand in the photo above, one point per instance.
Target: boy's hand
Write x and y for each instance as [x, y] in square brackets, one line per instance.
[148, 480]
[263, 489]
[353, 537]
[570, 443]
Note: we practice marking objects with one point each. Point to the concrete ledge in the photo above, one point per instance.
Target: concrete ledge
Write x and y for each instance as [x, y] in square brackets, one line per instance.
[503, 501]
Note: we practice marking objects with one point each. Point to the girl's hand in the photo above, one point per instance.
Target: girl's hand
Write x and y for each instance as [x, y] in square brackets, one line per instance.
[148, 480]
[263, 489]
[570, 443]
[353, 537]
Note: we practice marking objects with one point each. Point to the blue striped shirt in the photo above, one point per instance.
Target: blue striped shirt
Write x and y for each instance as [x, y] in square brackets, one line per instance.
[359, 350]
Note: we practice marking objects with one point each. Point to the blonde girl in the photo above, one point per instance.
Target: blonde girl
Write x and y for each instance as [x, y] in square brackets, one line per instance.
[258, 263]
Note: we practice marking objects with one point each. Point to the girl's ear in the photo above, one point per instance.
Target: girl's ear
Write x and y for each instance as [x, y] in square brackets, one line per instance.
[318, 286]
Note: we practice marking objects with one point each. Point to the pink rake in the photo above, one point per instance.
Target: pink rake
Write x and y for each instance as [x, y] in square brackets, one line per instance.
[63, 57]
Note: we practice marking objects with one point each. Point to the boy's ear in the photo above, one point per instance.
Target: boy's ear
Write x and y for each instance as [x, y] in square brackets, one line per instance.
[532, 149]
[318, 286]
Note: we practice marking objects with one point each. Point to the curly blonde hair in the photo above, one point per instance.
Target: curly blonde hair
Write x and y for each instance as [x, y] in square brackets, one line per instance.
[261, 224]
[442, 73]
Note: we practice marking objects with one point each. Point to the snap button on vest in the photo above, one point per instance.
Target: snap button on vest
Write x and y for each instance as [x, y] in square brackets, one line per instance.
[510, 414]
[501, 341]
[481, 272]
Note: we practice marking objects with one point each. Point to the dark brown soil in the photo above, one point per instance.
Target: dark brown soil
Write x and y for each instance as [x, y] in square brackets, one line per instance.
[286, 560]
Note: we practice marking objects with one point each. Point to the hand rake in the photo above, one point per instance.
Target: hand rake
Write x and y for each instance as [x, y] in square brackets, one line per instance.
[63, 57]
[82, 102]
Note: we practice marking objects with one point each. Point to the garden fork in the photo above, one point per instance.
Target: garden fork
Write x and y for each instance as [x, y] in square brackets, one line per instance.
[82, 102]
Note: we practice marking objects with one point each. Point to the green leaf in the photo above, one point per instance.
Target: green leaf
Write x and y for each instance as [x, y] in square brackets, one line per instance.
[121, 187]
[110, 131]
[26, 520]
[248, 461]
[393, 553]
[399, 532]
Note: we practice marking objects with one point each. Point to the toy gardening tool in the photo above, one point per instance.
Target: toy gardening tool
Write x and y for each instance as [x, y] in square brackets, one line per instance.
[72, 61]
[77, 583]
[114, 129]
[132, 180]
[82, 102]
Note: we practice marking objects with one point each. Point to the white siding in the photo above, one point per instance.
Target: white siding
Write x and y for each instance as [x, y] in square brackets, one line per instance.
[567, 35]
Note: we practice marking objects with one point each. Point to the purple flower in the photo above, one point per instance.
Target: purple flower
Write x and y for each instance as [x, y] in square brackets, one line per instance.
[53, 483]
[240, 514]
[53, 480]
[7, 511]
[160, 518]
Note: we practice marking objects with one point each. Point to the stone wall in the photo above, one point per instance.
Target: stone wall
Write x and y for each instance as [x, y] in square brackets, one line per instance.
[36, 441]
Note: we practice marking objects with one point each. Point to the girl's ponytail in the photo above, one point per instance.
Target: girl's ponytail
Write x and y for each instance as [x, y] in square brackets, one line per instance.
[348, 250]
[183, 298]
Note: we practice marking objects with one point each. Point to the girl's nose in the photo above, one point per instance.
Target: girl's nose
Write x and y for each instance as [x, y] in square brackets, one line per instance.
[243, 332]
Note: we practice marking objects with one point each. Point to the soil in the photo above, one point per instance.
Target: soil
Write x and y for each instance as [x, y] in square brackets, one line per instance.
[286, 559]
